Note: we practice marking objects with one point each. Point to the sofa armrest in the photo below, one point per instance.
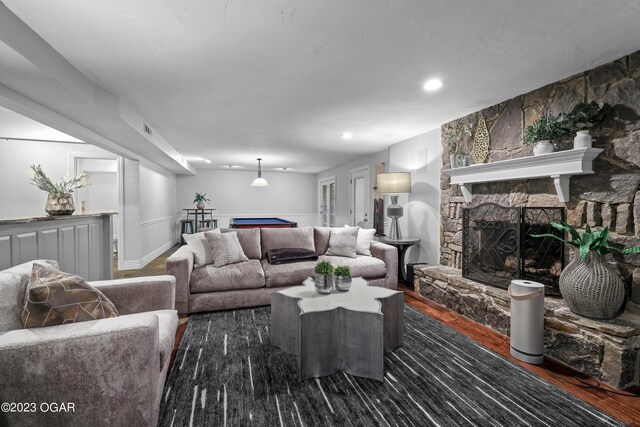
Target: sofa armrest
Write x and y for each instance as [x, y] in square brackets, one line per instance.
[388, 254]
[140, 294]
[108, 369]
[180, 265]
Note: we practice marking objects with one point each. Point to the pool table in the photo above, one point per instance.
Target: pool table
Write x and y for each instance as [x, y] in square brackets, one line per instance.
[261, 223]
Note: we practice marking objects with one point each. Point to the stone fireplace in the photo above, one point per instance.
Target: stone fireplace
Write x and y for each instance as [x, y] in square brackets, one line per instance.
[607, 350]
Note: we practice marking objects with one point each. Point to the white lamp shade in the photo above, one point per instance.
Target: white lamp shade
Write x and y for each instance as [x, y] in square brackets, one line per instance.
[259, 182]
[394, 182]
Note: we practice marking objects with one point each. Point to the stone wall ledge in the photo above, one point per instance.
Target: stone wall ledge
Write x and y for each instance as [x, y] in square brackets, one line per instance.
[605, 349]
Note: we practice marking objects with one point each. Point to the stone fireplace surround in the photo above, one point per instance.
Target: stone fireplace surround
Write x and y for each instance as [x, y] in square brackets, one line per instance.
[607, 350]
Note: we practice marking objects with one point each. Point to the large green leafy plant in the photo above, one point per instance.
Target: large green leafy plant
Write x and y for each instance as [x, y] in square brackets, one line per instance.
[544, 128]
[597, 240]
[585, 116]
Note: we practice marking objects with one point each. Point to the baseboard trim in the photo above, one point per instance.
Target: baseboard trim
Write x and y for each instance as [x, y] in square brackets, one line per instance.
[131, 265]
[156, 253]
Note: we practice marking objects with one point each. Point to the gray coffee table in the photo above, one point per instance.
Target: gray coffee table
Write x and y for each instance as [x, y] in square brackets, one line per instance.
[343, 331]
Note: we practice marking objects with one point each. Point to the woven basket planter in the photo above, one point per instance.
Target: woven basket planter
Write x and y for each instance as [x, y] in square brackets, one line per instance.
[591, 287]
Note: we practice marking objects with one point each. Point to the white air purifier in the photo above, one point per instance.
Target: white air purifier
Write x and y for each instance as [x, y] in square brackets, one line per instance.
[527, 321]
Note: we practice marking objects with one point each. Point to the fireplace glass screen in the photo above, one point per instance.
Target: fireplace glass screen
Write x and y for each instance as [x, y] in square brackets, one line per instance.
[497, 245]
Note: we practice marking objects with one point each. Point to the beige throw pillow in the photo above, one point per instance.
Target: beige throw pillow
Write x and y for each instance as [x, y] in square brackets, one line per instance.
[225, 248]
[342, 242]
[365, 237]
[200, 247]
[55, 298]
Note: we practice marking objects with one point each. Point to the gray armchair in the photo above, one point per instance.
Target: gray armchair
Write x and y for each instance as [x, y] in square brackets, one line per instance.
[112, 370]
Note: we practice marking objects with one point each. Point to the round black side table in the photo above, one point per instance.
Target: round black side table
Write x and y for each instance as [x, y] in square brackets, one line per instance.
[402, 245]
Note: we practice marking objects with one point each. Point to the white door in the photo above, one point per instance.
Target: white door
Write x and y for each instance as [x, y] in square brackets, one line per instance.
[327, 202]
[359, 197]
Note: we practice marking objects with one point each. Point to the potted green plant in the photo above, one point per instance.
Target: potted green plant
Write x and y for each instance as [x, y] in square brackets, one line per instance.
[542, 132]
[60, 199]
[583, 118]
[452, 137]
[324, 277]
[342, 277]
[588, 284]
[201, 199]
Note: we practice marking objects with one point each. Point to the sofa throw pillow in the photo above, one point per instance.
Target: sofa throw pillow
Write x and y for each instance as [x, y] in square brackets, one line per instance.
[54, 298]
[342, 242]
[289, 255]
[225, 248]
[365, 237]
[200, 246]
[249, 240]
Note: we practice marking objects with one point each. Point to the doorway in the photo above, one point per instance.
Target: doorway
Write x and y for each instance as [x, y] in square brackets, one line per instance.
[359, 197]
[103, 192]
[327, 201]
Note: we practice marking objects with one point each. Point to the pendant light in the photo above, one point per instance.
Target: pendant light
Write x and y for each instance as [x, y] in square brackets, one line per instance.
[259, 181]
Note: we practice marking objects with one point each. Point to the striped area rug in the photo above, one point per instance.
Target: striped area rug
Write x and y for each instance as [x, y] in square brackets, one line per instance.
[227, 374]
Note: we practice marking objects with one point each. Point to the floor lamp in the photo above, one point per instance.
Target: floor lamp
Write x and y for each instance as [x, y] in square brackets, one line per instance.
[394, 183]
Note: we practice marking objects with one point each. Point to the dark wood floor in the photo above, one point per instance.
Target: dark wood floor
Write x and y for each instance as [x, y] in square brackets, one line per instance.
[626, 409]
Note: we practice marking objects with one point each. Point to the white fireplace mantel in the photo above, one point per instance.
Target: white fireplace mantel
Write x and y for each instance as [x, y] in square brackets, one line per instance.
[559, 166]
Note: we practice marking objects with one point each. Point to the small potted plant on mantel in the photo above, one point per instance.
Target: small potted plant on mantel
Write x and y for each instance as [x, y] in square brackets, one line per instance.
[324, 277]
[583, 118]
[452, 137]
[542, 132]
[588, 284]
[201, 199]
[60, 199]
[342, 277]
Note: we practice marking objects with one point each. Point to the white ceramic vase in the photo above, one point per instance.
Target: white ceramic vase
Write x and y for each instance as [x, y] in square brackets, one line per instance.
[582, 139]
[542, 147]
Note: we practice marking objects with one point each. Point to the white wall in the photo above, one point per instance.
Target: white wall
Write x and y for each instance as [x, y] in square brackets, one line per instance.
[19, 198]
[289, 195]
[420, 156]
[341, 174]
[159, 214]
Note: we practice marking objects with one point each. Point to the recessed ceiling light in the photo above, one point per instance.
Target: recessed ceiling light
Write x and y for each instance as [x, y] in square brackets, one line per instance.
[284, 169]
[207, 161]
[347, 135]
[231, 166]
[432, 84]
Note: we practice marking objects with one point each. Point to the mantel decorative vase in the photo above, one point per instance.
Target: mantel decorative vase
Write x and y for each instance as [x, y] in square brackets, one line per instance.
[582, 139]
[543, 147]
[60, 204]
[459, 160]
[591, 287]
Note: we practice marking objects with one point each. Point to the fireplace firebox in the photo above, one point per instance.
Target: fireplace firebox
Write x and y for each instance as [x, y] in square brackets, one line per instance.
[498, 246]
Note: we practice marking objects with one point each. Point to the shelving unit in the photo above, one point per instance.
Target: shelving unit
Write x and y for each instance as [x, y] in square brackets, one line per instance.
[559, 166]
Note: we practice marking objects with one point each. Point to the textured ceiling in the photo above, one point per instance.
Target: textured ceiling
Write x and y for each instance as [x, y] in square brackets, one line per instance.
[238, 79]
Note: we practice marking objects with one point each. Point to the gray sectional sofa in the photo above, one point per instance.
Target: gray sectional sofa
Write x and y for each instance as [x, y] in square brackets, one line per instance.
[250, 283]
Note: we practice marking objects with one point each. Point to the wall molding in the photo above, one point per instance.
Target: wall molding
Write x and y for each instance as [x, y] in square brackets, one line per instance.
[159, 220]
